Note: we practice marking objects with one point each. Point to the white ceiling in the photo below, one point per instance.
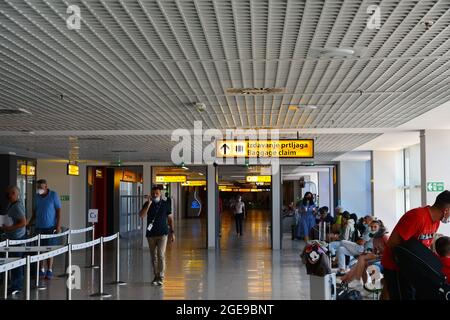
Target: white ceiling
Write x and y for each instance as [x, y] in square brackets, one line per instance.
[139, 65]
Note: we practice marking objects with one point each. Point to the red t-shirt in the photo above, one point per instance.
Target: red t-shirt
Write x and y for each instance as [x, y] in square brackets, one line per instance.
[414, 224]
[446, 267]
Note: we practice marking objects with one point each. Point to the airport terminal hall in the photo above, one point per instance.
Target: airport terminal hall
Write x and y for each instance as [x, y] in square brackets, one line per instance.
[225, 157]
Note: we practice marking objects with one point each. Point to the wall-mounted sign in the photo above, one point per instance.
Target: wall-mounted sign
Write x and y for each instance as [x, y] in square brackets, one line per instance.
[93, 215]
[73, 170]
[99, 173]
[167, 179]
[265, 148]
[192, 183]
[64, 198]
[435, 186]
[258, 178]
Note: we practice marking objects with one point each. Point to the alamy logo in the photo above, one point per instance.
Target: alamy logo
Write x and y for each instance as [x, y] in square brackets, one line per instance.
[374, 21]
[74, 20]
[74, 278]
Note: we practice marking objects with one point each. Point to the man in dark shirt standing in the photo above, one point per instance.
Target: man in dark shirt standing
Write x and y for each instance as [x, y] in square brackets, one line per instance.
[159, 228]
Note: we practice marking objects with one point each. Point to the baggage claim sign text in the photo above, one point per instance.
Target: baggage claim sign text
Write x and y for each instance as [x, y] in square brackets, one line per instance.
[266, 148]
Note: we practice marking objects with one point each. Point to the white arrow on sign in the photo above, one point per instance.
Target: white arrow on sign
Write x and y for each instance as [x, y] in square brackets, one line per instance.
[429, 187]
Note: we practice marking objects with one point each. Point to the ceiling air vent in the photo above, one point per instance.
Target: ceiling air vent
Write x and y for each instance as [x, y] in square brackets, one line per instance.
[14, 111]
[91, 139]
[123, 151]
[253, 91]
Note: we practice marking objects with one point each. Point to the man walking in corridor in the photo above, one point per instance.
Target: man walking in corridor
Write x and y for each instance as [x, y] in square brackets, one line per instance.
[159, 230]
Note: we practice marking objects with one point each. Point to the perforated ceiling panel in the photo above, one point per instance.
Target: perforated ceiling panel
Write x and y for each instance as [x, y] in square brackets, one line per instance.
[143, 64]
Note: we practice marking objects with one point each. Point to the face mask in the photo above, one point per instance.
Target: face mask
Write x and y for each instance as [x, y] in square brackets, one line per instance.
[156, 199]
[41, 191]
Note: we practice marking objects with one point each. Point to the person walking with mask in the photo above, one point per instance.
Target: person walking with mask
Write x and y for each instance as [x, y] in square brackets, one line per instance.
[307, 219]
[239, 214]
[159, 230]
[47, 214]
[421, 224]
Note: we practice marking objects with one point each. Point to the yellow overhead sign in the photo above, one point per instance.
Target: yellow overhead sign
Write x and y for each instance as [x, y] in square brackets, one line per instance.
[258, 178]
[193, 183]
[73, 170]
[27, 170]
[167, 179]
[265, 148]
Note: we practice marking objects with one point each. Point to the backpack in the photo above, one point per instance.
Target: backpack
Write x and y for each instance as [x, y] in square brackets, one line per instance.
[344, 293]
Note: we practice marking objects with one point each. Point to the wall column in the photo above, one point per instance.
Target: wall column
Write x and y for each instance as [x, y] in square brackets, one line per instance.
[212, 190]
[276, 207]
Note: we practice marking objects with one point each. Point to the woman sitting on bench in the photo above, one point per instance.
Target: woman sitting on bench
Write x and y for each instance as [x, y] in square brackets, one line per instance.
[379, 234]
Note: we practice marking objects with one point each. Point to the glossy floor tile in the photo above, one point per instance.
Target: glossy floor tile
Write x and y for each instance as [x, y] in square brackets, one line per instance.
[244, 267]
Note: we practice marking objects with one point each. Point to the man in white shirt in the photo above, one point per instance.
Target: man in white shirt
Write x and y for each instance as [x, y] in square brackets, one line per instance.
[239, 214]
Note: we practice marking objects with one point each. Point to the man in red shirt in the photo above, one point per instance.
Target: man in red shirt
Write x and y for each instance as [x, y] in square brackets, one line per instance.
[420, 224]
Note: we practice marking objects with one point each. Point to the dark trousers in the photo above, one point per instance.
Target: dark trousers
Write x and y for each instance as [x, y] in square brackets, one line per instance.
[398, 286]
[238, 217]
[16, 273]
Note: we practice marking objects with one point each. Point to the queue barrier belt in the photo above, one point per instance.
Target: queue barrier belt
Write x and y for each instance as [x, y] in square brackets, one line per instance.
[81, 230]
[85, 245]
[49, 254]
[55, 235]
[29, 249]
[16, 242]
[13, 264]
[110, 238]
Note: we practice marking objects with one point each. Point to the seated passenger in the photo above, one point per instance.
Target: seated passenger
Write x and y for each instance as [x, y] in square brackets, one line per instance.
[346, 233]
[443, 250]
[336, 227]
[361, 244]
[378, 232]
[324, 216]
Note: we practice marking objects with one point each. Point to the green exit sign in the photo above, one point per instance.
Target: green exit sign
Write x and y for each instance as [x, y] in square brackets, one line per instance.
[64, 198]
[435, 186]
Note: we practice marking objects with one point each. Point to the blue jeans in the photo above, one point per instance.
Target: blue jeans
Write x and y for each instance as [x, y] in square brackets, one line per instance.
[333, 246]
[348, 248]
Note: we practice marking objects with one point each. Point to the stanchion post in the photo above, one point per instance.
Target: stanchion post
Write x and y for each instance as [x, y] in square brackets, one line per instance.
[69, 273]
[117, 281]
[27, 279]
[100, 292]
[66, 263]
[38, 285]
[5, 293]
[92, 265]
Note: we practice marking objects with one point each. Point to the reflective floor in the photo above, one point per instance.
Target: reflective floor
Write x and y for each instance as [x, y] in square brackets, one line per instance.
[244, 267]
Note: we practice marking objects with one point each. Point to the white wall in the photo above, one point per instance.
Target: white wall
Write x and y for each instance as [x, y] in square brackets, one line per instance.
[355, 187]
[436, 165]
[388, 201]
[73, 213]
[325, 189]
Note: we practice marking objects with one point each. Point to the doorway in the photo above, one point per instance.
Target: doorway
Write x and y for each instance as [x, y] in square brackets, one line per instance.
[253, 185]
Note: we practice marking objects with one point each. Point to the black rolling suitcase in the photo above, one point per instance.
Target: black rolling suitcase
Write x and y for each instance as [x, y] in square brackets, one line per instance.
[424, 269]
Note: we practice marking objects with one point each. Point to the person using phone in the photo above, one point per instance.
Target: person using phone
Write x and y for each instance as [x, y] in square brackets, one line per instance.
[159, 230]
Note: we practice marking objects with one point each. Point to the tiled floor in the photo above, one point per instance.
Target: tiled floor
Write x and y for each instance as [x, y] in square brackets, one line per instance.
[244, 268]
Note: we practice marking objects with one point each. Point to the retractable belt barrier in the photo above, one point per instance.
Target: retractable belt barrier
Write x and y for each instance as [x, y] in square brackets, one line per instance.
[24, 241]
[55, 235]
[53, 251]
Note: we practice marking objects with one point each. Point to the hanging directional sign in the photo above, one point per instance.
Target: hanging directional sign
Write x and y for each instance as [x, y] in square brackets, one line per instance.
[265, 148]
[435, 186]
